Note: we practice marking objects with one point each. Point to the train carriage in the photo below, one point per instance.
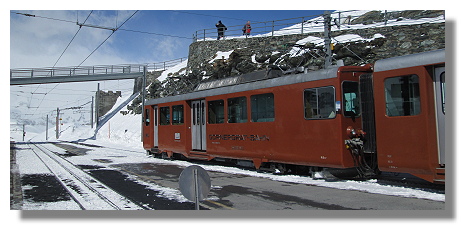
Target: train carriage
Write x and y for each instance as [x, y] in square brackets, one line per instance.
[409, 96]
[342, 117]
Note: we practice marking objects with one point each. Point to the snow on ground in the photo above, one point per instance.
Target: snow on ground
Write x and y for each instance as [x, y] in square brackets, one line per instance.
[220, 55]
[175, 69]
[123, 133]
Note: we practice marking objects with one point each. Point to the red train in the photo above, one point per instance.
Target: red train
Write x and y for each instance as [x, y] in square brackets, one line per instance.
[389, 117]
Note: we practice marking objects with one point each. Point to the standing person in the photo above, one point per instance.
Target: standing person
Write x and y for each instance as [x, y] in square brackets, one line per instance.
[247, 29]
[220, 29]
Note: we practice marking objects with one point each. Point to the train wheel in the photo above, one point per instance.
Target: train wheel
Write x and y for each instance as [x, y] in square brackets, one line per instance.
[157, 155]
[279, 168]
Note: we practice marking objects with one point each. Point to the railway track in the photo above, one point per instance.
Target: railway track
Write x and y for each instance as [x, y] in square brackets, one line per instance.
[385, 178]
[85, 190]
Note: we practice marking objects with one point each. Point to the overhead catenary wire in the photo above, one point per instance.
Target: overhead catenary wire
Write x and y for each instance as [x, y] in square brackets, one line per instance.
[71, 39]
[48, 92]
[215, 16]
[59, 59]
[103, 27]
[88, 55]
[42, 17]
[107, 38]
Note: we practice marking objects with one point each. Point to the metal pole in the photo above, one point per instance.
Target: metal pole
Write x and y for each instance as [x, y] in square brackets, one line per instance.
[272, 29]
[196, 188]
[339, 20]
[91, 117]
[47, 125]
[97, 106]
[143, 100]
[385, 16]
[327, 22]
[57, 124]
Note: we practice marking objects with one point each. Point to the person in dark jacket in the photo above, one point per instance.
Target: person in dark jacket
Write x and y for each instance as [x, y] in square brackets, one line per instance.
[220, 29]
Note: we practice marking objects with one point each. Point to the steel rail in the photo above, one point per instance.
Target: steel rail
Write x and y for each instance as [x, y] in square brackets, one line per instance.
[93, 189]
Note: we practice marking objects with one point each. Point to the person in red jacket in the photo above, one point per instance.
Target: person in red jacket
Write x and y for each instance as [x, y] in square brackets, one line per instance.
[247, 29]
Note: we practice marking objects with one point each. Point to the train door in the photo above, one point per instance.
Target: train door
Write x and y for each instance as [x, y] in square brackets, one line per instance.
[403, 120]
[155, 130]
[440, 92]
[198, 125]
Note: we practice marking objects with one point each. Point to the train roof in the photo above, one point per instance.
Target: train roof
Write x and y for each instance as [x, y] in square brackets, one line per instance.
[258, 80]
[246, 82]
[424, 58]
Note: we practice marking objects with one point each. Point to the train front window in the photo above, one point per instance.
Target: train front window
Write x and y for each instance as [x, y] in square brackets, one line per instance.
[164, 116]
[216, 111]
[147, 117]
[402, 96]
[351, 106]
[178, 115]
[237, 110]
[319, 103]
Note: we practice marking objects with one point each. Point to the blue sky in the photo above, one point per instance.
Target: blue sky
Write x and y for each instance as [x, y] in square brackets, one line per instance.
[38, 42]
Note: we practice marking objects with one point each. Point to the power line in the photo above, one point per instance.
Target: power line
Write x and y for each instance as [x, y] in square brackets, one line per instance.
[59, 59]
[87, 56]
[71, 40]
[106, 39]
[43, 17]
[158, 34]
[102, 27]
[192, 13]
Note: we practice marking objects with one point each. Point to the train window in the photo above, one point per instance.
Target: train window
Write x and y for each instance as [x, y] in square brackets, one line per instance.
[319, 103]
[177, 115]
[237, 110]
[443, 91]
[351, 106]
[164, 116]
[147, 117]
[402, 96]
[262, 108]
[216, 111]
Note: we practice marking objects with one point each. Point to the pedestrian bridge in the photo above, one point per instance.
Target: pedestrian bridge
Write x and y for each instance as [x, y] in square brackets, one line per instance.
[86, 73]
[75, 74]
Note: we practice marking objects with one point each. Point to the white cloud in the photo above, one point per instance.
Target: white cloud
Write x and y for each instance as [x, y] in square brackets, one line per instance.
[165, 48]
[38, 42]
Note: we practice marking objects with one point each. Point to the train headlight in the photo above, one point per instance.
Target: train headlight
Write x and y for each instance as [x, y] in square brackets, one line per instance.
[351, 132]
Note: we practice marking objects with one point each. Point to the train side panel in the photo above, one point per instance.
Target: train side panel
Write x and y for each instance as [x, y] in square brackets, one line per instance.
[174, 127]
[297, 134]
[288, 138]
[301, 123]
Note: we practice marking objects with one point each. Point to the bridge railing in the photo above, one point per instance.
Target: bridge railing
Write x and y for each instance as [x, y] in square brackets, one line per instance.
[164, 65]
[300, 25]
[267, 28]
[75, 71]
[91, 70]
